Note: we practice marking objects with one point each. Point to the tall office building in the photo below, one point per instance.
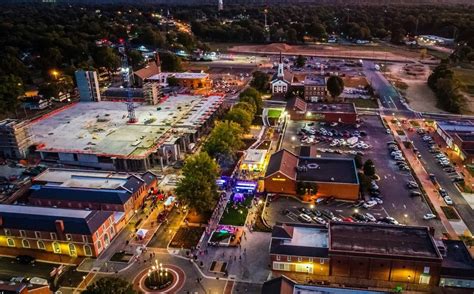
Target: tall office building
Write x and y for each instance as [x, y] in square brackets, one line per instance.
[88, 86]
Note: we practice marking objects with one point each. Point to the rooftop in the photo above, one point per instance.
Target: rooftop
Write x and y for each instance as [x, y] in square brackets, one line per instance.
[465, 137]
[299, 240]
[282, 161]
[382, 240]
[254, 156]
[43, 218]
[82, 178]
[102, 128]
[315, 80]
[458, 261]
[331, 108]
[456, 126]
[327, 169]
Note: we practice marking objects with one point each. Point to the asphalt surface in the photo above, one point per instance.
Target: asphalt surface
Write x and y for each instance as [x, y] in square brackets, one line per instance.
[166, 231]
[396, 200]
[444, 179]
[389, 97]
[9, 268]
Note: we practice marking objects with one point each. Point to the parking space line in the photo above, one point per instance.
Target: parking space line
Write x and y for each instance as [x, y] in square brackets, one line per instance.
[393, 204]
[404, 206]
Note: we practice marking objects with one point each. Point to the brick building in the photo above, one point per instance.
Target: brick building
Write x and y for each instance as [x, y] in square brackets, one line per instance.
[357, 254]
[345, 113]
[333, 176]
[55, 230]
[121, 193]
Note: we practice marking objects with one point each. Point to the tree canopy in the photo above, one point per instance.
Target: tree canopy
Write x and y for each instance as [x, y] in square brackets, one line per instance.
[224, 140]
[335, 86]
[252, 96]
[260, 81]
[198, 187]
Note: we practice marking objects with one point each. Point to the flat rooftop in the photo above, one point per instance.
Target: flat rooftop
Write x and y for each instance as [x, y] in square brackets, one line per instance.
[466, 137]
[331, 108]
[45, 211]
[382, 240]
[101, 127]
[299, 240]
[82, 178]
[327, 169]
[308, 237]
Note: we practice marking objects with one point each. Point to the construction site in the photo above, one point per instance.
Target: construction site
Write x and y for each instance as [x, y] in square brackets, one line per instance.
[100, 134]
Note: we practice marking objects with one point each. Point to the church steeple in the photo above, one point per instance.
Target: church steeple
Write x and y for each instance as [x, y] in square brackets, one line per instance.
[280, 72]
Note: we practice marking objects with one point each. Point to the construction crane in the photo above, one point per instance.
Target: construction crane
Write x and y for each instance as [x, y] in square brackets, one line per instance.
[126, 76]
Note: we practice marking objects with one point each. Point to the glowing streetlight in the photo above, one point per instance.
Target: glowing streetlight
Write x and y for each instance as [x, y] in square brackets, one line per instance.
[55, 73]
[311, 206]
[356, 210]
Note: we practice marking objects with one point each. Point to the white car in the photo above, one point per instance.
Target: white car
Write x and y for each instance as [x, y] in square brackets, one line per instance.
[370, 204]
[388, 131]
[429, 216]
[319, 220]
[448, 200]
[370, 217]
[304, 217]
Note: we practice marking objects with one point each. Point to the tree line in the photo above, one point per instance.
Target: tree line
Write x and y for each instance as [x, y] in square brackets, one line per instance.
[43, 45]
[297, 23]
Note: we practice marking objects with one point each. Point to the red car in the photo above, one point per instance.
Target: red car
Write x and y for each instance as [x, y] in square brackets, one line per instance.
[348, 219]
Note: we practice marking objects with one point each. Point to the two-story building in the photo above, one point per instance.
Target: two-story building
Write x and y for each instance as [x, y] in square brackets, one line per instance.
[121, 193]
[30, 229]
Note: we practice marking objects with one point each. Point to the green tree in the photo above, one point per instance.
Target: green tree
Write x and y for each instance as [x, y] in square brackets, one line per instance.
[152, 38]
[240, 116]
[136, 59]
[317, 30]
[249, 107]
[110, 285]
[300, 61]
[291, 36]
[369, 168]
[253, 96]
[170, 62]
[260, 81]
[335, 86]
[224, 141]
[106, 57]
[198, 187]
[11, 88]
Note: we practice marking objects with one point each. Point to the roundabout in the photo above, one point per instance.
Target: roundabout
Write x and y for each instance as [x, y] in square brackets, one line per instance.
[160, 278]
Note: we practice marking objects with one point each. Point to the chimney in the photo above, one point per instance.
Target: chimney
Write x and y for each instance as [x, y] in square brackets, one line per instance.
[59, 224]
[1, 221]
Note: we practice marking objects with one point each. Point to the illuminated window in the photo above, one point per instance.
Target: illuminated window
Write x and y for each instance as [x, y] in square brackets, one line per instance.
[72, 250]
[7, 232]
[25, 243]
[56, 247]
[87, 250]
[10, 242]
[278, 257]
[40, 245]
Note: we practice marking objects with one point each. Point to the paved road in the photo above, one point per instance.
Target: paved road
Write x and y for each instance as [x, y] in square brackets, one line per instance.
[10, 268]
[166, 231]
[429, 163]
[389, 97]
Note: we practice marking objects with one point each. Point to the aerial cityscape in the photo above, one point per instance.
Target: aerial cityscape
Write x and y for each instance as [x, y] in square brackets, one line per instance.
[270, 146]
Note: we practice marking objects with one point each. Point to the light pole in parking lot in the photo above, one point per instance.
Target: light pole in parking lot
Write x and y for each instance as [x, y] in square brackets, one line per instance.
[406, 218]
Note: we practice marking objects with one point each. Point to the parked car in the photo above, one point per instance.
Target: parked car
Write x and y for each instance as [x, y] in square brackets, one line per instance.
[370, 204]
[415, 194]
[370, 217]
[319, 220]
[412, 185]
[429, 216]
[327, 213]
[348, 219]
[304, 218]
[25, 259]
[389, 220]
[448, 200]
[360, 217]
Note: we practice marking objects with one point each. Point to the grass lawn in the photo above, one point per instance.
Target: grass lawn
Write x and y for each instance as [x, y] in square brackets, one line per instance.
[450, 212]
[364, 103]
[235, 215]
[274, 113]
[465, 76]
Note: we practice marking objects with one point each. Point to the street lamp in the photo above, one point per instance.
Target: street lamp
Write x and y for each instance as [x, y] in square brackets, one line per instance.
[356, 210]
[311, 206]
[55, 74]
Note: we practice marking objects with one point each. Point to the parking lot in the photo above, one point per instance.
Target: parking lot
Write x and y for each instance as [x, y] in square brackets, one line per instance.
[394, 193]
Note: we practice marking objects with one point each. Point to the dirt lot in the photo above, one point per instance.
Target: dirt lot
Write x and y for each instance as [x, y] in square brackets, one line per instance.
[419, 96]
[342, 51]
